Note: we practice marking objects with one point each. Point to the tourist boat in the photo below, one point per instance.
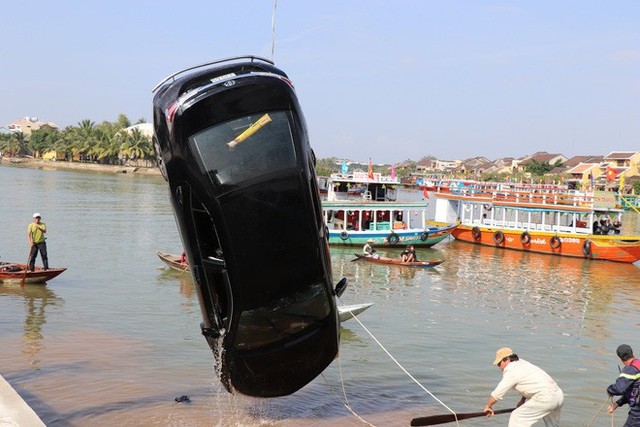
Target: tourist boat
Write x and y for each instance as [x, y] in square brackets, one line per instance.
[377, 214]
[12, 273]
[398, 261]
[537, 218]
[232, 143]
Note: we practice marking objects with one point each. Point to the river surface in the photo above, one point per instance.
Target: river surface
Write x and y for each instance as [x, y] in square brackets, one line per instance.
[116, 338]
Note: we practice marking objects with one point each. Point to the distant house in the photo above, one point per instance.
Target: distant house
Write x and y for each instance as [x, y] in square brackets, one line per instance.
[54, 155]
[541, 157]
[29, 124]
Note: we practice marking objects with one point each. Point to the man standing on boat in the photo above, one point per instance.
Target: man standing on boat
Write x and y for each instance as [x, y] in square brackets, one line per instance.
[627, 386]
[37, 242]
[542, 399]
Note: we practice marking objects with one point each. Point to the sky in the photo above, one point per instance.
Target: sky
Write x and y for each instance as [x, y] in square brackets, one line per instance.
[386, 80]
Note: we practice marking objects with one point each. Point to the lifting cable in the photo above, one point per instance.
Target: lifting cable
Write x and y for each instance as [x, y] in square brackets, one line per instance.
[397, 363]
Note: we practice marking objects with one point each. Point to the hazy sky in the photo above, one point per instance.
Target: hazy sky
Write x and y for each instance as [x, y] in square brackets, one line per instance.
[390, 80]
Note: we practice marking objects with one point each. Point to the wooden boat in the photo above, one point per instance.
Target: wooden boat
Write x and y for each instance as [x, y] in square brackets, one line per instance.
[346, 312]
[397, 261]
[15, 273]
[173, 261]
[545, 219]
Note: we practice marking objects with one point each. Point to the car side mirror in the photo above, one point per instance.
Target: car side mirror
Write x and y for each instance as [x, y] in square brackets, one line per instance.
[341, 286]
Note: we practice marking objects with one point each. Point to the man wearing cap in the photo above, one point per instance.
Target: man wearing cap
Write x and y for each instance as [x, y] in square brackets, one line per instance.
[542, 399]
[369, 250]
[627, 386]
[37, 242]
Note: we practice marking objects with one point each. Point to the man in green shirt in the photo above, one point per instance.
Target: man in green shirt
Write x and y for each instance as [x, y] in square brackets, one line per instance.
[37, 242]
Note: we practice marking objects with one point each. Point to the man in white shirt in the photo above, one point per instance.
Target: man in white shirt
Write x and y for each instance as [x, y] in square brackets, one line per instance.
[542, 399]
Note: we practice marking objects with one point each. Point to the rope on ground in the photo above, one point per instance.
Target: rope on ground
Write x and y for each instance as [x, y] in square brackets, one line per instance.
[402, 368]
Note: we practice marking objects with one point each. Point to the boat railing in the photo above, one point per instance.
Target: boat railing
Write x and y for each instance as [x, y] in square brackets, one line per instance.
[533, 226]
[534, 196]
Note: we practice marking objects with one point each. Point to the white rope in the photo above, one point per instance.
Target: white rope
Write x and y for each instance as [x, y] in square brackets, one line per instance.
[403, 369]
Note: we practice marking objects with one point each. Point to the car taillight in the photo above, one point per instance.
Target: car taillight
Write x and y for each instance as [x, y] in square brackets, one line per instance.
[170, 113]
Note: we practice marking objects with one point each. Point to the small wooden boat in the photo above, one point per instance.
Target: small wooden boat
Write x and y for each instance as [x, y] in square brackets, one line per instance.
[397, 261]
[15, 273]
[173, 261]
[346, 312]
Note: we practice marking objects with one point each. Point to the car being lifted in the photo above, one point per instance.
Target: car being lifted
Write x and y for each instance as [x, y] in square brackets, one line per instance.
[233, 144]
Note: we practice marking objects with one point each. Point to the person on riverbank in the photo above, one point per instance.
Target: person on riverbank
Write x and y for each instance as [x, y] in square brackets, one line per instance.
[37, 242]
[542, 399]
[627, 386]
[369, 250]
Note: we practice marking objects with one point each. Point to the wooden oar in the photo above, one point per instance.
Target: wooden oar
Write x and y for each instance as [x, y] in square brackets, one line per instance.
[26, 267]
[449, 418]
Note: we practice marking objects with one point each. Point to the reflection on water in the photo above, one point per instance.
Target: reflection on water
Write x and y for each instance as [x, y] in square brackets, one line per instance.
[114, 340]
[35, 300]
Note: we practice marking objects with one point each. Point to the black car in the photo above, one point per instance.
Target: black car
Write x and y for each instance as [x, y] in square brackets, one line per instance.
[232, 143]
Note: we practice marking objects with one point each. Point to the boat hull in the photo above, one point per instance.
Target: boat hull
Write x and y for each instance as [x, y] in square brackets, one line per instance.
[609, 247]
[38, 276]
[346, 312]
[418, 238]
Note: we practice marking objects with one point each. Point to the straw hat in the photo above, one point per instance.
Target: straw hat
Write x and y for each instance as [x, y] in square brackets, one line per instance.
[37, 215]
[371, 241]
[501, 354]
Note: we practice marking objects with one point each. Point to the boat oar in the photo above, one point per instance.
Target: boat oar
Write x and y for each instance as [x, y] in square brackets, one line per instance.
[449, 418]
[26, 267]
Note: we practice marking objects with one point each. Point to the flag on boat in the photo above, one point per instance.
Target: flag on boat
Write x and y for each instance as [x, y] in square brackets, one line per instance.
[344, 168]
[591, 181]
[611, 173]
[621, 187]
[370, 169]
[393, 172]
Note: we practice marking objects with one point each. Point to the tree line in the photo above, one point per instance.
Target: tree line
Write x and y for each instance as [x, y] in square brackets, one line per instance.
[104, 143]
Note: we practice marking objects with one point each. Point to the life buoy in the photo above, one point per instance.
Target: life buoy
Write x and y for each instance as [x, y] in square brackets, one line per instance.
[498, 237]
[475, 233]
[393, 239]
[525, 238]
[555, 242]
[424, 236]
[586, 248]
[344, 235]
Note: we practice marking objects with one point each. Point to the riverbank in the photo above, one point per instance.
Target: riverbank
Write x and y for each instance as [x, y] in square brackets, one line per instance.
[61, 164]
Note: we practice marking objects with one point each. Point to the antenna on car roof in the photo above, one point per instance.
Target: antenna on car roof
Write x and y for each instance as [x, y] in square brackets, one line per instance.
[273, 28]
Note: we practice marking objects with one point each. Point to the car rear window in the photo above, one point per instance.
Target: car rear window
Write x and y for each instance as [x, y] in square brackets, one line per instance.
[246, 147]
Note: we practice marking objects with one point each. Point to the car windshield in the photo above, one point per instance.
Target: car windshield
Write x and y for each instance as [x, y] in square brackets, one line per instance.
[283, 319]
[246, 147]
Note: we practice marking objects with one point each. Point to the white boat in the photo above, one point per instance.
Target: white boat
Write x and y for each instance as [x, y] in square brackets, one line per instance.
[376, 215]
[346, 312]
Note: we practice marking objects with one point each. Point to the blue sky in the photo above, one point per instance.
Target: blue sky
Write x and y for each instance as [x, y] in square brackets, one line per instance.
[390, 80]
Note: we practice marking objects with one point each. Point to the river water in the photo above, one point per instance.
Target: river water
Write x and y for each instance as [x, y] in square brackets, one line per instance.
[116, 338]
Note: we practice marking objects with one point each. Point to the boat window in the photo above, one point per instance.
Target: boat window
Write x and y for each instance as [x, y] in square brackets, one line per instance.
[246, 147]
[283, 318]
